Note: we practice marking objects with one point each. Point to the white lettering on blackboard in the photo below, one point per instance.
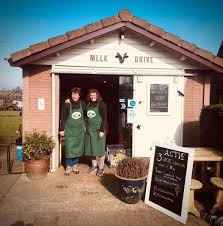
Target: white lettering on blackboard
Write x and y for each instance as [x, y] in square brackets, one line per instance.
[175, 154]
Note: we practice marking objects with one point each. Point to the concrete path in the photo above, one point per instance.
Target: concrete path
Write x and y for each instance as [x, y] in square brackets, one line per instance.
[82, 199]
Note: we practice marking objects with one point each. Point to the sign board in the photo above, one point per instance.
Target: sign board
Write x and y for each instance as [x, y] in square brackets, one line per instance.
[169, 180]
[159, 97]
[131, 103]
[130, 115]
[123, 106]
[41, 104]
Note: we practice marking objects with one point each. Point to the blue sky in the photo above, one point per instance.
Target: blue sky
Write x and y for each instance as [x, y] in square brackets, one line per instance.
[25, 22]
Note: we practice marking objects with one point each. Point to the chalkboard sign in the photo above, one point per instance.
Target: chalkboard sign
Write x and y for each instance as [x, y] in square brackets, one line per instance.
[169, 180]
[159, 98]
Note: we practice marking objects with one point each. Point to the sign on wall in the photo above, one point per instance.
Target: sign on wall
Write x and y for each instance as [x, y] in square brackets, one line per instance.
[130, 115]
[41, 104]
[158, 98]
[169, 179]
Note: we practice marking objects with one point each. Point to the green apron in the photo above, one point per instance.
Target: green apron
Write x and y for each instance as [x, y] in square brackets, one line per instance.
[93, 145]
[74, 133]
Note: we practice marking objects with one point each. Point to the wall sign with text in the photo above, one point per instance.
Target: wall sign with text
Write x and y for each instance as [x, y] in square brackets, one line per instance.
[158, 98]
[169, 179]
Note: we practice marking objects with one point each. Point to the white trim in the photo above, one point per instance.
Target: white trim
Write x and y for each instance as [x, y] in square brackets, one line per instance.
[182, 111]
[118, 71]
[57, 110]
[134, 122]
[53, 123]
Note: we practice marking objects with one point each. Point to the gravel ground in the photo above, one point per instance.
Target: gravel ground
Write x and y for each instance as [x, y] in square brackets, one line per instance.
[82, 199]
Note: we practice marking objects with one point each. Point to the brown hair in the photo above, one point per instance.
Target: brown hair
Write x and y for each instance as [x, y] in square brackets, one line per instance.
[75, 90]
[99, 98]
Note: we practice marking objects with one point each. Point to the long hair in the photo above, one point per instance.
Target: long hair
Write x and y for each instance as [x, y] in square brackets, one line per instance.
[99, 98]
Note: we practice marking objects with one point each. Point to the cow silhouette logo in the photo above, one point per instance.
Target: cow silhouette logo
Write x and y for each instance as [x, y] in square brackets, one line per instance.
[91, 114]
[121, 58]
[76, 115]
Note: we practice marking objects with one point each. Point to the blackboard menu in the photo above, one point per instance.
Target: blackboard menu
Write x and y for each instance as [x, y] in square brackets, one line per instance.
[168, 179]
[159, 98]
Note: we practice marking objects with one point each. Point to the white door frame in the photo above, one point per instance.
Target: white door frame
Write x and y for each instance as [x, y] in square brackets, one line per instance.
[58, 69]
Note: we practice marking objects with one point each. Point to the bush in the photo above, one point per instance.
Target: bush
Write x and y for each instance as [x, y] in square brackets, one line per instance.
[211, 126]
[132, 168]
[37, 145]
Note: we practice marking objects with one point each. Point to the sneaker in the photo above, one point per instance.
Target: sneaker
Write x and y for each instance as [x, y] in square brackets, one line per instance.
[100, 172]
[75, 169]
[92, 169]
[68, 171]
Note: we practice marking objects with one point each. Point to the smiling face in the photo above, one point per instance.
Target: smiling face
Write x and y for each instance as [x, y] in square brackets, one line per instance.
[93, 97]
[75, 96]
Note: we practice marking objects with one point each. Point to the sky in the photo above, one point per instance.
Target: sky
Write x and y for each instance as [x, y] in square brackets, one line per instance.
[26, 22]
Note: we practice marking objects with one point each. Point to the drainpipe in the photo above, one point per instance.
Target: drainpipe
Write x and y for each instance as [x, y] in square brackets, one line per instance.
[53, 123]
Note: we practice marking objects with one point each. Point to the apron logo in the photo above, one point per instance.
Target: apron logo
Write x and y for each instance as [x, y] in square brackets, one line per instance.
[76, 115]
[91, 114]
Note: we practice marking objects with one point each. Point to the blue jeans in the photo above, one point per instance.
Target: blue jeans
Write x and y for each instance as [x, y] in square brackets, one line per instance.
[72, 161]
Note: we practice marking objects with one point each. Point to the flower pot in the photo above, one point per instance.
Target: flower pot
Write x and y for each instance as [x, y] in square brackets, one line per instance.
[131, 190]
[37, 169]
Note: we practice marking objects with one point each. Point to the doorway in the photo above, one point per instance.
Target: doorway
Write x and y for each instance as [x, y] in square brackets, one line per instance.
[112, 88]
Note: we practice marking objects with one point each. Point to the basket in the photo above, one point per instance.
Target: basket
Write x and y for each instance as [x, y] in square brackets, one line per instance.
[114, 154]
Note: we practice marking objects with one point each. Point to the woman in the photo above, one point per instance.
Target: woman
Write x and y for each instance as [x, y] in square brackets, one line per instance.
[96, 131]
[72, 126]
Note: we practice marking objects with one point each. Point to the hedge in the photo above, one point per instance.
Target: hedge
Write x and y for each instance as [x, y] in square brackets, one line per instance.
[211, 126]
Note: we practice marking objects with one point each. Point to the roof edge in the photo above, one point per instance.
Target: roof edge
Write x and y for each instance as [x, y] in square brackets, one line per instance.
[123, 17]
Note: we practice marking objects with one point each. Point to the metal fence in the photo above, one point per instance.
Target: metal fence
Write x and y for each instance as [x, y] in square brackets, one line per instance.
[9, 162]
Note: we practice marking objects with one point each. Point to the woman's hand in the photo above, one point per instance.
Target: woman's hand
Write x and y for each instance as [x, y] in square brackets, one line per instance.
[62, 133]
[67, 101]
[100, 135]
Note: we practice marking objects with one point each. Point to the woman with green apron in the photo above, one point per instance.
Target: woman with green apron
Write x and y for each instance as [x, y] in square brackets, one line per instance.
[95, 137]
[72, 126]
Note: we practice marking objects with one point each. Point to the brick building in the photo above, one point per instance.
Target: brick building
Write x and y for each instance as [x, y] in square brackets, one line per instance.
[155, 84]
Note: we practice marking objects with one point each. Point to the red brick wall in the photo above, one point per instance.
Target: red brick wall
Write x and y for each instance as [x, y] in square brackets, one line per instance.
[36, 84]
[193, 103]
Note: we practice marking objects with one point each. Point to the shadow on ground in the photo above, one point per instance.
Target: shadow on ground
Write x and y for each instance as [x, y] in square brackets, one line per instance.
[110, 183]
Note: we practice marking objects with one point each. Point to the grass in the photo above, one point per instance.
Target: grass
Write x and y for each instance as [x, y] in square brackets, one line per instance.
[9, 124]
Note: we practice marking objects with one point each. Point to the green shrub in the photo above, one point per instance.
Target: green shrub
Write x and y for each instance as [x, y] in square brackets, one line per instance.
[211, 126]
[37, 145]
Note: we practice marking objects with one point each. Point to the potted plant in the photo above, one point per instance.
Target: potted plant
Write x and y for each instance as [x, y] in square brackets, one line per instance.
[36, 149]
[131, 174]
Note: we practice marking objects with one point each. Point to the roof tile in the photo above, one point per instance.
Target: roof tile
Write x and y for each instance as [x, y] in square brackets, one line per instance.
[57, 40]
[172, 38]
[125, 15]
[76, 33]
[39, 47]
[93, 27]
[20, 54]
[189, 46]
[110, 20]
[218, 60]
[156, 30]
[141, 23]
[205, 54]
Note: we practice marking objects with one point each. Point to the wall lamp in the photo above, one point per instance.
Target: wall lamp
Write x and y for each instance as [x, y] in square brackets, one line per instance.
[121, 35]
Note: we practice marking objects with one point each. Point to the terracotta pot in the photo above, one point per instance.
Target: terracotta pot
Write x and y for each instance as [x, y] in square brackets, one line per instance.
[131, 190]
[37, 169]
